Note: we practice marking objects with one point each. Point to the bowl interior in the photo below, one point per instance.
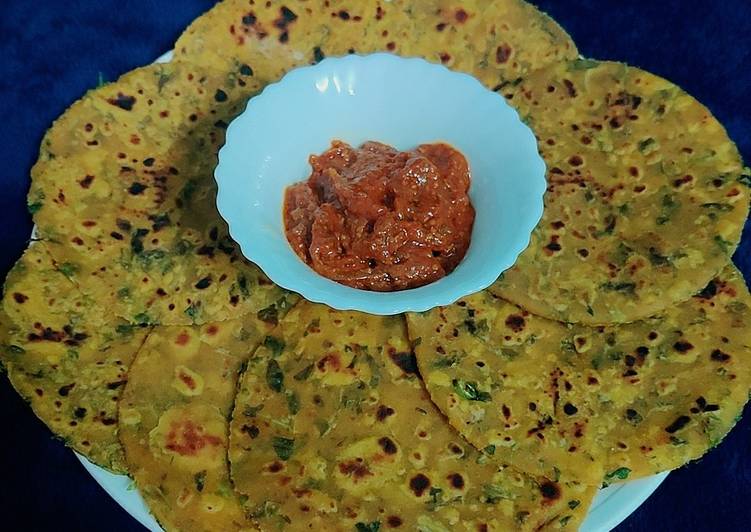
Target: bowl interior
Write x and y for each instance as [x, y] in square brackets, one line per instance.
[397, 101]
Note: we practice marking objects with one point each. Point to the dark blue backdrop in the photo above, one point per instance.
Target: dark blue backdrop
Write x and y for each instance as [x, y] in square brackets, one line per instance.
[53, 51]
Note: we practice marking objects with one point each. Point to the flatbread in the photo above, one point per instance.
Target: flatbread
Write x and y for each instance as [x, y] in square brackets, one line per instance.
[646, 199]
[622, 401]
[470, 355]
[173, 422]
[146, 147]
[704, 375]
[333, 430]
[65, 357]
[498, 42]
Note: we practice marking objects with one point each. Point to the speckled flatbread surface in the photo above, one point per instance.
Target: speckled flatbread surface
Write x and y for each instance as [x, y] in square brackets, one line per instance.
[498, 41]
[65, 357]
[646, 198]
[332, 426]
[614, 402]
[332, 429]
[145, 146]
[123, 192]
[173, 422]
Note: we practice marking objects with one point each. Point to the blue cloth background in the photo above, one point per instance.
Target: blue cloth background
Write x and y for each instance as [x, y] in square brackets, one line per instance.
[53, 51]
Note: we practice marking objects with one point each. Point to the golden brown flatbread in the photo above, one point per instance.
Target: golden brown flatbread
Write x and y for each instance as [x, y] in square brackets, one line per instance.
[498, 41]
[646, 199]
[333, 430]
[616, 402]
[174, 422]
[65, 357]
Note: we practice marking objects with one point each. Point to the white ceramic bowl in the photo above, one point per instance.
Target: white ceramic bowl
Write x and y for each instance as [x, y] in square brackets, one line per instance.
[397, 101]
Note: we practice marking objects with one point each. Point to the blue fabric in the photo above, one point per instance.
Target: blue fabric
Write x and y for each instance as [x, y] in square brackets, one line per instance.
[53, 51]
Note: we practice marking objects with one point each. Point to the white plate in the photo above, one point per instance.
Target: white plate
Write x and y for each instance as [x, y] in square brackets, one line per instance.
[611, 506]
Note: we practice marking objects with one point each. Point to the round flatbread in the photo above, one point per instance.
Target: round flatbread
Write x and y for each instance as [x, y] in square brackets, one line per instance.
[65, 357]
[646, 199]
[333, 430]
[145, 146]
[173, 422]
[607, 402]
[498, 42]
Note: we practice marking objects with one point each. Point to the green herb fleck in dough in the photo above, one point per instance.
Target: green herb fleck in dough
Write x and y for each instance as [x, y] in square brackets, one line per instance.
[15, 350]
[446, 361]
[657, 259]
[322, 425]
[252, 411]
[597, 360]
[567, 345]
[142, 319]
[304, 373]
[269, 315]
[274, 376]
[669, 206]
[154, 258]
[124, 329]
[136, 241]
[509, 353]
[610, 222]
[242, 283]
[68, 269]
[293, 403]
[644, 145]
[188, 190]
[469, 391]
[494, 493]
[624, 288]
[583, 64]
[436, 499]
[283, 447]
[723, 244]
[353, 395]
[200, 480]
[375, 526]
[621, 473]
[312, 484]
[192, 311]
[182, 247]
[737, 307]
[476, 328]
[163, 80]
[621, 254]
[123, 293]
[274, 344]
[676, 441]
[375, 370]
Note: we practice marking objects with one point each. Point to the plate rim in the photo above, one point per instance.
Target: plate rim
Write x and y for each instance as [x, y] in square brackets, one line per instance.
[610, 507]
